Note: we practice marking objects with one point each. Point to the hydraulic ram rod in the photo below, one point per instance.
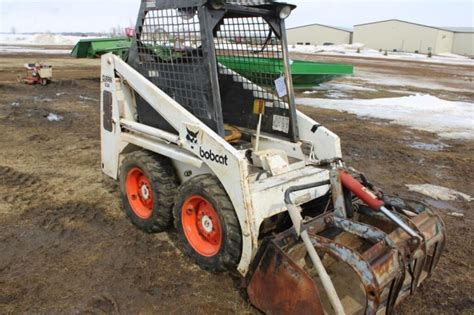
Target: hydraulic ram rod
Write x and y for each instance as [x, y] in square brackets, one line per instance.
[375, 203]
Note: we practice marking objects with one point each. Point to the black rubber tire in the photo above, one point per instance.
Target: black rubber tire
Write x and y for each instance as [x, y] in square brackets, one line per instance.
[44, 82]
[229, 254]
[161, 174]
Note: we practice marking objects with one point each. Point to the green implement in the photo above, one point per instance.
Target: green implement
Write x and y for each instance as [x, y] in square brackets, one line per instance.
[95, 47]
[305, 74]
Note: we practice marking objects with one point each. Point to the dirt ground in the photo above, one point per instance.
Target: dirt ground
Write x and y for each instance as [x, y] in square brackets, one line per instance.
[66, 246]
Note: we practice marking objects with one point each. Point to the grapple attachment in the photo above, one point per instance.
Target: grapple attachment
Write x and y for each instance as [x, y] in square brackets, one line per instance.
[372, 262]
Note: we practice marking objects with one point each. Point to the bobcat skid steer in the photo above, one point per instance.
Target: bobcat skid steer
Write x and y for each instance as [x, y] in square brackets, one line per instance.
[250, 183]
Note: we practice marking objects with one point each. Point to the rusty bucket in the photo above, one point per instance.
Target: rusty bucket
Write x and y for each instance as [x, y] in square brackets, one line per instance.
[373, 264]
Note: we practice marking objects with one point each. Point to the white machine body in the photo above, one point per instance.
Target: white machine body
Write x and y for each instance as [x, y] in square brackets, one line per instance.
[255, 189]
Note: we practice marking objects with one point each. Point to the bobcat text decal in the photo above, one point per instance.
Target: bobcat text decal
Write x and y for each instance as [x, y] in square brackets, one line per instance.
[209, 155]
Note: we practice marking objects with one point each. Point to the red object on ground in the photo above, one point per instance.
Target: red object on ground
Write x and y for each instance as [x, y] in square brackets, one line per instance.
[360, 191]
[129, 31]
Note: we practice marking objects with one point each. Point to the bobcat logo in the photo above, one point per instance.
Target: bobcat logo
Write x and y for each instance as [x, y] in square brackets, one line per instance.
[191, 137]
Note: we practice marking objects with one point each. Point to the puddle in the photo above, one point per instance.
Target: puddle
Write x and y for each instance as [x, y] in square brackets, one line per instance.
[428, 146]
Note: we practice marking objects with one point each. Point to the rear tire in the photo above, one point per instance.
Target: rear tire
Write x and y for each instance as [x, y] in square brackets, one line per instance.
[148, 185]
[44, 82]
[208, 228]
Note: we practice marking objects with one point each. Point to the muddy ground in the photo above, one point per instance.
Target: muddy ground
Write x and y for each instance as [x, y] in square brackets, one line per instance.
[66, 246]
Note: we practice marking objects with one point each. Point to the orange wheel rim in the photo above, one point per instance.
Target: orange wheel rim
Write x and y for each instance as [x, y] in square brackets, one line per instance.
[201, 225]
[139, 193]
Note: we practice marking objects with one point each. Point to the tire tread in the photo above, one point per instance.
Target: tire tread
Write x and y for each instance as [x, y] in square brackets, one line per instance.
[229, 257]
[163, 179]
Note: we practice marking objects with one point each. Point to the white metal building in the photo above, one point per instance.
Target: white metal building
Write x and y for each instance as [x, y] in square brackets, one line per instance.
[463, 43]
[318, 34]
[411, 37]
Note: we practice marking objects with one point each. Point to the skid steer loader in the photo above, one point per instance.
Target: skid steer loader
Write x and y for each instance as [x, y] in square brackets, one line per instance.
[250, 182]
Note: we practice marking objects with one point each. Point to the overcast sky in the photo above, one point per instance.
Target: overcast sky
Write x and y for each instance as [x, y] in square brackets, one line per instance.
[102, 15]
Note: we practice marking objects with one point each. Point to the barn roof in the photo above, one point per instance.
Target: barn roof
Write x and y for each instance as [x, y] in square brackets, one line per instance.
[451, 29]
[344, 29]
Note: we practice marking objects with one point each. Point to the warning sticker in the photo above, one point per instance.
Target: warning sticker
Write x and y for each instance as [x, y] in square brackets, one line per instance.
[259, 106]
[280, 86]
[281, 123]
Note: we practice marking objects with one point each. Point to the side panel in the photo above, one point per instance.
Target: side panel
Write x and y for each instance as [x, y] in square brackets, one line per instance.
[109, 119]
[327, 145]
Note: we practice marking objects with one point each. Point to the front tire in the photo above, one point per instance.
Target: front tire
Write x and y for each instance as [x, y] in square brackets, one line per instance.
[148, 185]
[207, 225]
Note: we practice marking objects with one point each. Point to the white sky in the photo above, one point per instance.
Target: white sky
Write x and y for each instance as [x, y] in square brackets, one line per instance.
[101, 15]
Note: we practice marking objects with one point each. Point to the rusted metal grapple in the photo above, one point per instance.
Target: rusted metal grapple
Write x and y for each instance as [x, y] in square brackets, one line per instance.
[373, 263]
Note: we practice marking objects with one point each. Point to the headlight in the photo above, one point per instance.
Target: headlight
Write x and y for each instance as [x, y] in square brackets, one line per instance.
[217, 4]
[187, 13]
[284, 12]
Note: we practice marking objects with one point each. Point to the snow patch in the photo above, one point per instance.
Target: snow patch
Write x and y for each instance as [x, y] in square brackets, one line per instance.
[337, 90]
[428, 146]
[342, 87]
[54, 117]
[397, 80]
[39, 39]
[439, 192]
[448, 119]
[358, 50]
[32, 50]
[85, 98]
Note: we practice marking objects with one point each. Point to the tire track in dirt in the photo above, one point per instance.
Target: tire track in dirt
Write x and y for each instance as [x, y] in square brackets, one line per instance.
[69, 218]
[21, 189]
[35, 200]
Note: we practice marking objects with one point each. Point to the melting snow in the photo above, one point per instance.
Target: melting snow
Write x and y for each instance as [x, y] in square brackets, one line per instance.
[35, 43]
[352, 50]
[398, 80]
[54, 117]
[39, 39]
[439, 192]
[429, 146]
[31, 50]
[341, 87]
[424, 112]
[85, 98]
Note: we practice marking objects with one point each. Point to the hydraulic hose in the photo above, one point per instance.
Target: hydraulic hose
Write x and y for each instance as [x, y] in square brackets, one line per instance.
[293, 189]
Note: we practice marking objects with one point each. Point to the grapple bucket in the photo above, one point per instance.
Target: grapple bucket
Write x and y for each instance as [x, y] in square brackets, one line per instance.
[372, 263]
